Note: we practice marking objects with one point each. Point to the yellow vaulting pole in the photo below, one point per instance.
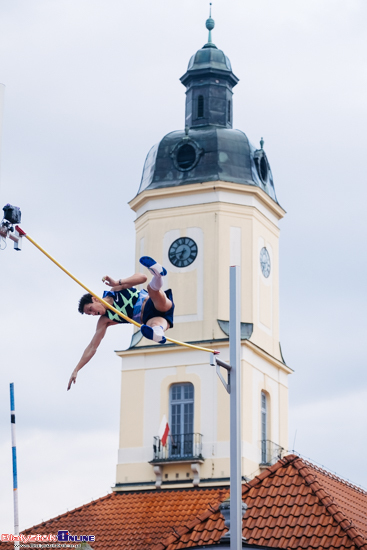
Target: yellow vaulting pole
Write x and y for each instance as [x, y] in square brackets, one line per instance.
[106, 304]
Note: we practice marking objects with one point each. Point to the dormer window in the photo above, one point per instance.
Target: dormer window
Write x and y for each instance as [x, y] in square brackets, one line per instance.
[201, 106]
[186, 154]
[262, 165]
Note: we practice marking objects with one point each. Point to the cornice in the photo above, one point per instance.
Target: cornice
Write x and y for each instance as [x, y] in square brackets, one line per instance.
[259, 351]
[215, 344]
[195, 188]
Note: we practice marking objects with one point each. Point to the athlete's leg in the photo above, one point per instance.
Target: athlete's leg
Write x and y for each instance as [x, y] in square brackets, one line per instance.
[158, 322]
[154, 329]
[159, 299]
[156, 270]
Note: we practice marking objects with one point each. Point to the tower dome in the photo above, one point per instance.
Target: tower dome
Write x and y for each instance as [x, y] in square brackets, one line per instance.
[208, 149]
[209, 57]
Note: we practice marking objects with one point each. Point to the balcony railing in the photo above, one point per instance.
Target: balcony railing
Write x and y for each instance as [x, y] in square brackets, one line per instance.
[187, 446]
[270, 452]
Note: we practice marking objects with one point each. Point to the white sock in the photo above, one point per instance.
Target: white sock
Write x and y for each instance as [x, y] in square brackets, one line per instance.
[158, 333]
[156, 283]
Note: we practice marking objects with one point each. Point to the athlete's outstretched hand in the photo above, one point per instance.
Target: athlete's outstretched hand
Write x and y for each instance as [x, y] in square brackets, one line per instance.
[109, 281]
[72, 379]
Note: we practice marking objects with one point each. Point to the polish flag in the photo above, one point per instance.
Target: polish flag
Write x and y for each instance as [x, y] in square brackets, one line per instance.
[163, 430]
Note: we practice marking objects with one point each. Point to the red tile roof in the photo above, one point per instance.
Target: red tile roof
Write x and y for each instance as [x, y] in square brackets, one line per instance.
[292, 504]
[132, 520]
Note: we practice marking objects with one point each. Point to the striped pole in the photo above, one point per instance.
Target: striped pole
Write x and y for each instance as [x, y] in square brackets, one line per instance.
[14, 453]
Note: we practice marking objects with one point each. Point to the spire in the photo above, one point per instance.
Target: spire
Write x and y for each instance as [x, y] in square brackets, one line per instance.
[209, 81]
[210, 23]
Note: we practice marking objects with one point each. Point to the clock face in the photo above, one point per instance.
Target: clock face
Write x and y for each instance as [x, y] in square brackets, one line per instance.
[265, 262]
[183, 252]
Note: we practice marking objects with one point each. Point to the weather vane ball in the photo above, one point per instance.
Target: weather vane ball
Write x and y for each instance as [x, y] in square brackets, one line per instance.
[210, 22]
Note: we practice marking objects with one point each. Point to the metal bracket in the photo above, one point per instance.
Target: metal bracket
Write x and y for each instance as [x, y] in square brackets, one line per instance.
[7, 231]
[215, 362]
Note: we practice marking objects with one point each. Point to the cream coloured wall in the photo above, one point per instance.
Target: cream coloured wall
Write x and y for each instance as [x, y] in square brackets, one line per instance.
[132, 409]
[154, 371]
[224, 232]
[230, 224]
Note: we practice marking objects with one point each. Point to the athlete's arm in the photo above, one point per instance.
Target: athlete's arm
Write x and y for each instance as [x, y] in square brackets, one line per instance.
[90, 350]
[123, 284]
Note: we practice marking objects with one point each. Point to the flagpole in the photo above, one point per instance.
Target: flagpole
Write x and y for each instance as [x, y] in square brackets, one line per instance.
[14, 454]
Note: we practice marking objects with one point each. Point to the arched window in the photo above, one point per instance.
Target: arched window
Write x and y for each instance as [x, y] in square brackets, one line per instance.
[200, 106]
[264, 428]
[182, 420]
[229, 114]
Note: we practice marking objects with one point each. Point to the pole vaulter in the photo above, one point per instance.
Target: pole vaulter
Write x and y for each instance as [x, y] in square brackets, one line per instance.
[104, 302]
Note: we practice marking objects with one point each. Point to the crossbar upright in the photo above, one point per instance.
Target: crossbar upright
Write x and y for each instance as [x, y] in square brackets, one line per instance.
[233, 388]
[235, 408]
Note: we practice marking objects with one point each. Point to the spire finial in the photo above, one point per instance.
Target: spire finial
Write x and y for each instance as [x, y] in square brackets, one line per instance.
[210, 24]
[262, 143]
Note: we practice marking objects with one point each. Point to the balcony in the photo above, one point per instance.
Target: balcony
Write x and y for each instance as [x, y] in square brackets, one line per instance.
[186, 447]
[270, 453]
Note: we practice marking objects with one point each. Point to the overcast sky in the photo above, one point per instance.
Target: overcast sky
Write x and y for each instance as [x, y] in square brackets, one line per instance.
[91, 85]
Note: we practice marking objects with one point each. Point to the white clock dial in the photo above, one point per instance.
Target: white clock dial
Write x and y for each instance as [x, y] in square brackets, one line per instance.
[265, 262]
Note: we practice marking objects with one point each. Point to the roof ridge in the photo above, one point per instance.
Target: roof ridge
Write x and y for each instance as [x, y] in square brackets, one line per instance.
[304, 469]
[331, 475]
[268, 472]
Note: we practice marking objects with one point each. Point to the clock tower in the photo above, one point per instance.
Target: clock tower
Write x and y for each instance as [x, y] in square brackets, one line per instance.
[206, 201]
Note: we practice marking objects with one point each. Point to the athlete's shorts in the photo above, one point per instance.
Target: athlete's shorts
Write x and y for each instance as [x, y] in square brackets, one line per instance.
[150, 311]
[143, 294]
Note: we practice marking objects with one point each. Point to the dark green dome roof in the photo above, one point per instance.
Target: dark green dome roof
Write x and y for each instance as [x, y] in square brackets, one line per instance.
[206, 154]
[209, 57]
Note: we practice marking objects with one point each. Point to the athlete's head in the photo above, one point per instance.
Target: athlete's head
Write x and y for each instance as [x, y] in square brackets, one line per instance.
[89, 305]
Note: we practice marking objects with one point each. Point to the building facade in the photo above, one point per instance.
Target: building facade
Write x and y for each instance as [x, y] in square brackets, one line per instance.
[206, 201]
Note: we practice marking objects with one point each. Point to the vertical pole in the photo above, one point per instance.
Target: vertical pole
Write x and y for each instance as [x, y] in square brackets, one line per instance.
[235, 409]
[14, 453]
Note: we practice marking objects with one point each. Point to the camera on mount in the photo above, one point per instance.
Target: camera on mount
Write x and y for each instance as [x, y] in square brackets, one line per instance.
[12, 213]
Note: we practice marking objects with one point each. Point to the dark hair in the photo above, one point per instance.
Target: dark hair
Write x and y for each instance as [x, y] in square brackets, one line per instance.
[84, 300]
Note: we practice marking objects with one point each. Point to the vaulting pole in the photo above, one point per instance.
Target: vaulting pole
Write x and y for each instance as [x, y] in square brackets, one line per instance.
[235, 409]
[106, 304]
[14, 453]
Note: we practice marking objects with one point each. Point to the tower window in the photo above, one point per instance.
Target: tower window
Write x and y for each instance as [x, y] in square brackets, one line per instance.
[200, 106]
[262, 166]
[229, 114]
[263, 169]
[186, 156]
[182, 420]
[264, 428]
